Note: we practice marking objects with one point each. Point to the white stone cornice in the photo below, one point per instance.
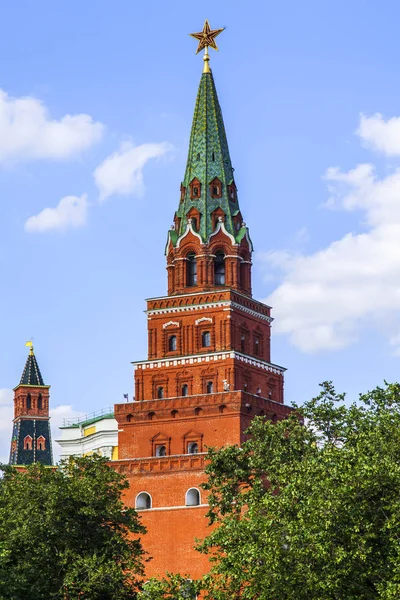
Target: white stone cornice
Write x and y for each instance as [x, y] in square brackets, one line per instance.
[207, 358]
[225, 305]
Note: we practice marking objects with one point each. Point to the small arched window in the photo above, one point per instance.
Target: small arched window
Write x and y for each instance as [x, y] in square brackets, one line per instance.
[219, 269]
[28, 402]
[193, 448]
[161, 450]
[174, 413]
[129, 418]
[27, 442]
[40, 402]
[41, 443]
[143, 501]
[191, 270]
[206, 339]
[151, 416]
[222, 408]
[160, 392]
[172, 343]
[193, 497]
[210, 387]
[185, 389]
[197, 411]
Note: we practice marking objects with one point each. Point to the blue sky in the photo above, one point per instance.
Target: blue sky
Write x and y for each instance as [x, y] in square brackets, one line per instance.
[95, 115]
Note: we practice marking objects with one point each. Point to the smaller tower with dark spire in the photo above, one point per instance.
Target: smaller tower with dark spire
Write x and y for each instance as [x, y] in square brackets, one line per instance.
[31, 437]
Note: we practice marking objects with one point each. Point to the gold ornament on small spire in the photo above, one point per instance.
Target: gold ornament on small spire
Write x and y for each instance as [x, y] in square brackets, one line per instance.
[206, 39]
[30, 345]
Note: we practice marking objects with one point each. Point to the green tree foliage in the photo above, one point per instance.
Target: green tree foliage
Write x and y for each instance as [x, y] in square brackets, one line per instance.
[172, 587]
[66, 534]
[307, 512]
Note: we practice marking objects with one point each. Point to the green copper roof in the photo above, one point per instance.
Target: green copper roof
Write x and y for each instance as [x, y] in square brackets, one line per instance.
[31, 374]
[208, 158]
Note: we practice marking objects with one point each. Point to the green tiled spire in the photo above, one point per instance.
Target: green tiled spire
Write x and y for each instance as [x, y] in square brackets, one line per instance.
[208, 158]
[31, 374]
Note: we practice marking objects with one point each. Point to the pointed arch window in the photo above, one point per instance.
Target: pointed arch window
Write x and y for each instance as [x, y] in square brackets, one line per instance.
[195, 189]
[191, 275]
[28, 442]
[216, 188]
[41, 443]
[28, 402]
[219, 269]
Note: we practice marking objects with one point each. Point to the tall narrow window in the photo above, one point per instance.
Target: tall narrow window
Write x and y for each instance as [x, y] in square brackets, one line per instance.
[242, 344]
[185, 389]
[28, 402]
[219, 269]
[206, 339]
[210, 387]
[160, 392]
[40, 402]
[191, 270]
[41, 443]
[256, 346]
[172, 343]
[27, 442]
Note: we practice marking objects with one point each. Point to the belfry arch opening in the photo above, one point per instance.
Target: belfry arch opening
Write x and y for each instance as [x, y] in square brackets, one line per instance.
[219, 269]
[191, 270]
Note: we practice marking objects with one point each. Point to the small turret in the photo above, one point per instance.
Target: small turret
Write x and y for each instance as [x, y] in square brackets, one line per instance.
[31, 437]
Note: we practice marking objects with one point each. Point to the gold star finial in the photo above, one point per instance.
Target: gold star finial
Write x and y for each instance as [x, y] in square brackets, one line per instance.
[206, 39]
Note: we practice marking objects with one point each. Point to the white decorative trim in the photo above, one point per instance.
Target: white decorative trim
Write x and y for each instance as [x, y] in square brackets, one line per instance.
[171, 323]
[221, 227]
[170, 508]
[236, 292]
[189, 228]
[203, 319]
[212, 356]
[251, 312]
[228, 304]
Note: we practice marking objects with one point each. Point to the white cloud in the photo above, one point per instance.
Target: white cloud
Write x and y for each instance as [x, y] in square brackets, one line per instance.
[380, 135]
[57, 416]
[327, 297]
[71, 211]
[27, 131]
[122, 171]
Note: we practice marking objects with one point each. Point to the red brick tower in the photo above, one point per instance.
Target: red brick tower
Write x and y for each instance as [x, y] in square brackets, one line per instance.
[208, 370]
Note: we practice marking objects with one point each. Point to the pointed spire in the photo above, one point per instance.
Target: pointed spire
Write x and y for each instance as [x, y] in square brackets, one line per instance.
[208, 184]
[31, 374]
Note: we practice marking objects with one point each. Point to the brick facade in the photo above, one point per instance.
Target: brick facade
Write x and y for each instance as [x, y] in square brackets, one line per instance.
[208, 370]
